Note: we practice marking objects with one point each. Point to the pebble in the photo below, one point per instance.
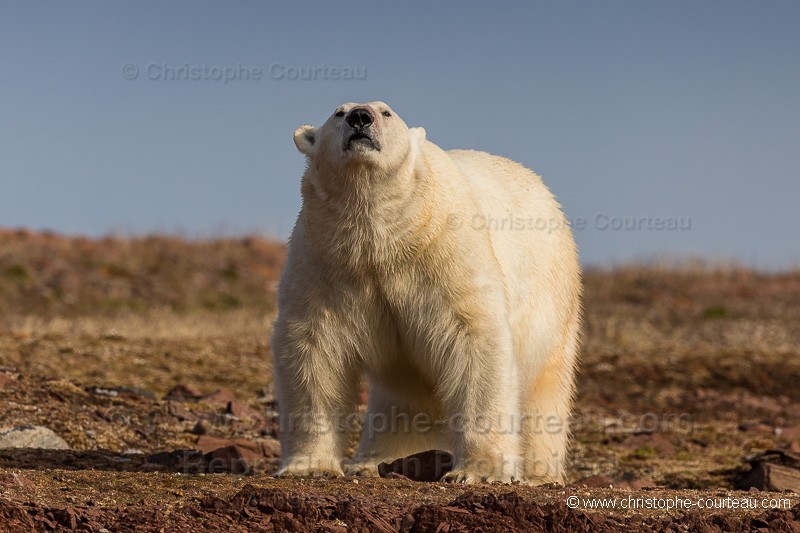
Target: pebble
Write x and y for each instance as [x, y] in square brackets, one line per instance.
[32, 437]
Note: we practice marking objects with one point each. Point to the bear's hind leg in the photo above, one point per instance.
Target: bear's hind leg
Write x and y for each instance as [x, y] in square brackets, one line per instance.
[545, 420]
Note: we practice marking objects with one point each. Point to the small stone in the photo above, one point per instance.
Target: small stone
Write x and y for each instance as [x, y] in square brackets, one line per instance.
[180, 412]
[185, 461]
[136, 392]
[6, 379]
[16, 480]
[200, 428]
[424, 466]
[757, 427]
[249, 419]
[184, 393]
[791, 433]
[239, 409]
[407, 522]
[219, 397]
[268, 448]
[101, 391]
[32, 437]
[231, 459]
[237, 456]
[395, 475]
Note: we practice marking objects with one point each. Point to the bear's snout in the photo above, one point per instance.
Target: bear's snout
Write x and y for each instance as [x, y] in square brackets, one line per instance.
[359, 118]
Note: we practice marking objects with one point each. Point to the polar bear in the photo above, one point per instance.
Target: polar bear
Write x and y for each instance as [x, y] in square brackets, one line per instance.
[451, 280]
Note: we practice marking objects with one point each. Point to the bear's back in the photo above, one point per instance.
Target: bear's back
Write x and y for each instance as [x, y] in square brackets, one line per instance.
[475, 162]
[503, 186]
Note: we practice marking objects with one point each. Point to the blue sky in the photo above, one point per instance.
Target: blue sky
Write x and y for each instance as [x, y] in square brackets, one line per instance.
[633, 112]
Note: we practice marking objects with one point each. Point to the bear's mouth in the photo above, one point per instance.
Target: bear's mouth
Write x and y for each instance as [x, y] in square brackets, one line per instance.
[361, 140]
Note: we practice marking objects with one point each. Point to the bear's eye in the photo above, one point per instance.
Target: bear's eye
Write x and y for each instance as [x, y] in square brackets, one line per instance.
[339, 113]
[386, 114]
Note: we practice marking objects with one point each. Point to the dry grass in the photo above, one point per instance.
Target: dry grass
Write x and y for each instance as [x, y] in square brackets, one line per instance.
[158, 324]
[53, 276]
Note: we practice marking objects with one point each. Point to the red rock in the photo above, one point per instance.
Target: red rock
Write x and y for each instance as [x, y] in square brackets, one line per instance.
[269, 448]
[180, 412]
[67, 518]
[207, 443]
[219, 397]
[395, 475]
[249, 419]
[236, 456]
[757, 427]
[14, 517]
[232, 459]
[200, 428]
[423, 466]
[16, 480]
[184, 393]
[241, 410]
[6, 379]
[788, 432]
[186, 461]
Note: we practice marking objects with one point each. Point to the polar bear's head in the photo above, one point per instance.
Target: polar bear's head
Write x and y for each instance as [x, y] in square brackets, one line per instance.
[359, 136]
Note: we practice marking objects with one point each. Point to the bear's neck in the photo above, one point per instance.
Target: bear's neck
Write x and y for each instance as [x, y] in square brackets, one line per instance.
[369, 216]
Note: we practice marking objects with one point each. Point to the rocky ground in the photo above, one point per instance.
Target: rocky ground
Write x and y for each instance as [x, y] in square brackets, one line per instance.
[143, 366]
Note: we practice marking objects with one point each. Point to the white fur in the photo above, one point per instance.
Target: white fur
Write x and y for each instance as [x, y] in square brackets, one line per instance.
[400, 267]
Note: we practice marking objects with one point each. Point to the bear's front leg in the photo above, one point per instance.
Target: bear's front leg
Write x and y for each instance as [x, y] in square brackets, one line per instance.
[317, 391]
[481, 399]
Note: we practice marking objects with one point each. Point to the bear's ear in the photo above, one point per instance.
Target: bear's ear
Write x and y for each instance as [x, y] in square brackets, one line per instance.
[305, 138]
[417, 137]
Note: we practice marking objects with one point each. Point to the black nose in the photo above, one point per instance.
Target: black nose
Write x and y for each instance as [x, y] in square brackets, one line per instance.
[359, 117]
